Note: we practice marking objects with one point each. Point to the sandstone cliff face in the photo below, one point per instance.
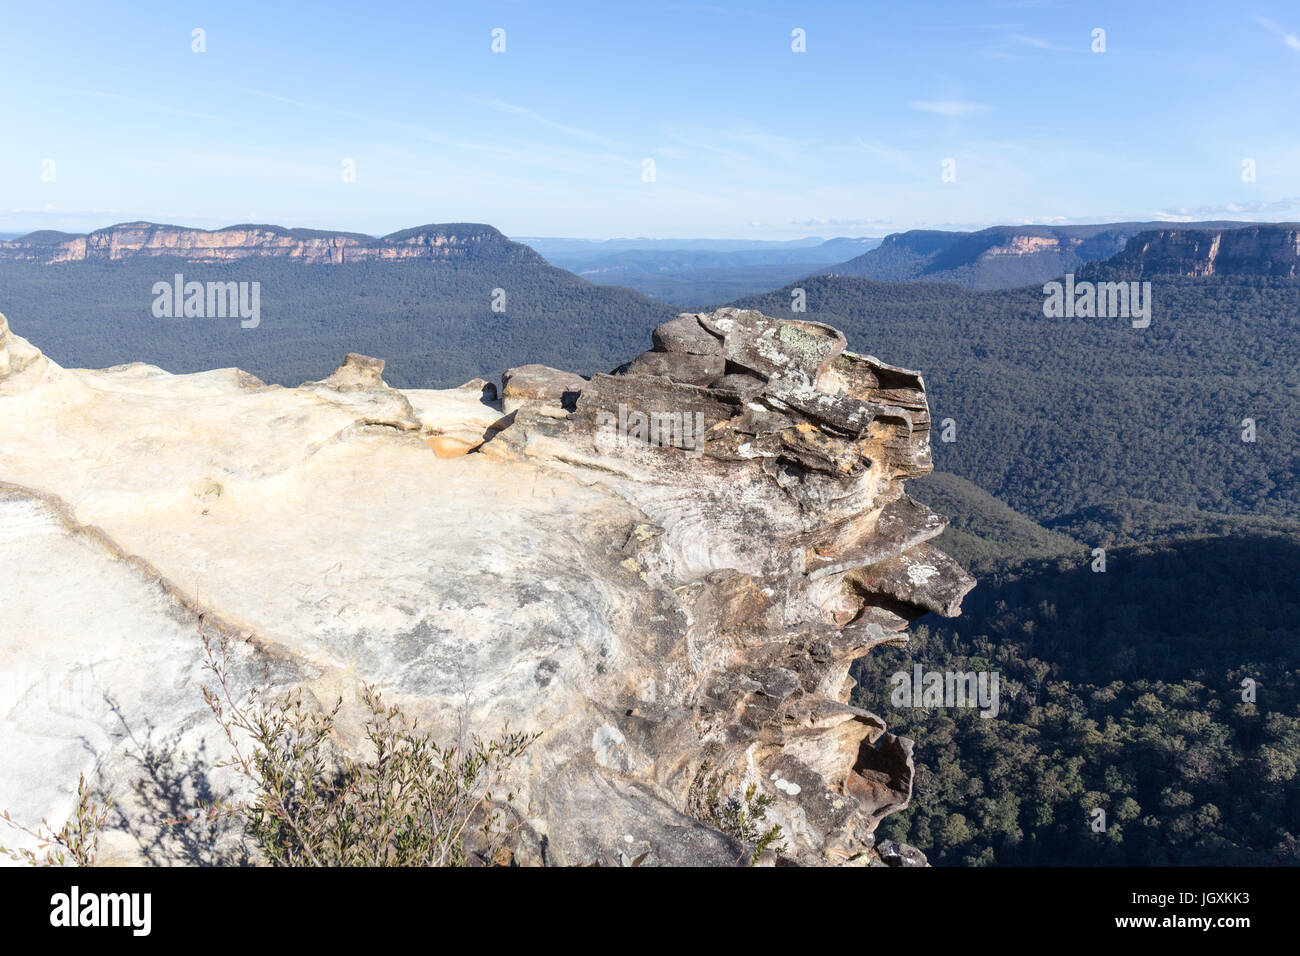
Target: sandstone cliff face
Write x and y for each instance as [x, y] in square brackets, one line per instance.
[666, 571]
[1271, 250]
[1030, 245]
[1007, 257]
[146, 239]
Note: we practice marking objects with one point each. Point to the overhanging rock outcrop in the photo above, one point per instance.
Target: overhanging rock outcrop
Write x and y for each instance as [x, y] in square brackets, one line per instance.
[772, 479]
[667, 572]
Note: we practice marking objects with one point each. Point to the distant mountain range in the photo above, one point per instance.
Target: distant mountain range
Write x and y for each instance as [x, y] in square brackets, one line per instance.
[643, 255]
[147, 239]
[685, 272]
[694, 273]
[446, 302]
[1003, 257]
[767, 250]
[442, 303]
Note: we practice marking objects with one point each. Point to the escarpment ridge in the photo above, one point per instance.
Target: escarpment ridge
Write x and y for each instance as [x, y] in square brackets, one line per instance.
[667, 571]
[1264, 250]
[128, 240]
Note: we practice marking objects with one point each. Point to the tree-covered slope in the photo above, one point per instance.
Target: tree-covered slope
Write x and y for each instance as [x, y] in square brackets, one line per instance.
[433, 322]
[983, 532]
[1054, 416]
[1121, 690]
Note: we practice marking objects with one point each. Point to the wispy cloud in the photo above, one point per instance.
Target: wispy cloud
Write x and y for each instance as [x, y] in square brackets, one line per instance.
[1290, 39]
[135, 101]
[57, 209]
[541, 120]
[1262, 207]
[947, 107]
[1038, 43]
[890, 156]
[276, 97]
[529, 152]
[843, 223]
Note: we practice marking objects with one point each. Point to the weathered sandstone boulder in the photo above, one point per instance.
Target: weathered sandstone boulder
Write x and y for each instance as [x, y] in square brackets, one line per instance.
[539, 384]
[668, 579]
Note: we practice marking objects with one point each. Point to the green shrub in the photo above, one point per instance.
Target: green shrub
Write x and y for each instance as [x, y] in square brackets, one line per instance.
[75, 843]
[411, 802]
[741, 817]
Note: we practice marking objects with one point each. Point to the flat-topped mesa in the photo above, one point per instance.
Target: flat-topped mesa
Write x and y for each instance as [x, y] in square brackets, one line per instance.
[770, 463]
[129, 240]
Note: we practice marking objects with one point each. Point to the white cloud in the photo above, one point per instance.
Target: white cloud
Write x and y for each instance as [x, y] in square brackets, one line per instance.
[538, 118]
[1231, 210]
[1038, 43]
[1290, 39]
[843, 223]
[136, 102]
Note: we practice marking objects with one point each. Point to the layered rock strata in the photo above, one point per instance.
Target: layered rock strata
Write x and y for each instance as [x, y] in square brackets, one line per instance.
[1265, 250]
[148, 240]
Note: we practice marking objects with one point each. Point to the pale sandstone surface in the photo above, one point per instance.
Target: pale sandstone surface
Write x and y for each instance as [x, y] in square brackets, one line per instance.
[648, 610]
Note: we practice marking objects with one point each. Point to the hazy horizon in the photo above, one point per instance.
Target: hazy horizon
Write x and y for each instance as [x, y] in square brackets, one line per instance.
[791, 240]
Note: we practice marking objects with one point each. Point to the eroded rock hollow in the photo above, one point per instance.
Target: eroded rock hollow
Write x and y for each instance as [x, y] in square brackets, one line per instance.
[666, 571]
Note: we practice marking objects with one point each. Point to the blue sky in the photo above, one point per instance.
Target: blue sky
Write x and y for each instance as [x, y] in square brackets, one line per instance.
[748, 138]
